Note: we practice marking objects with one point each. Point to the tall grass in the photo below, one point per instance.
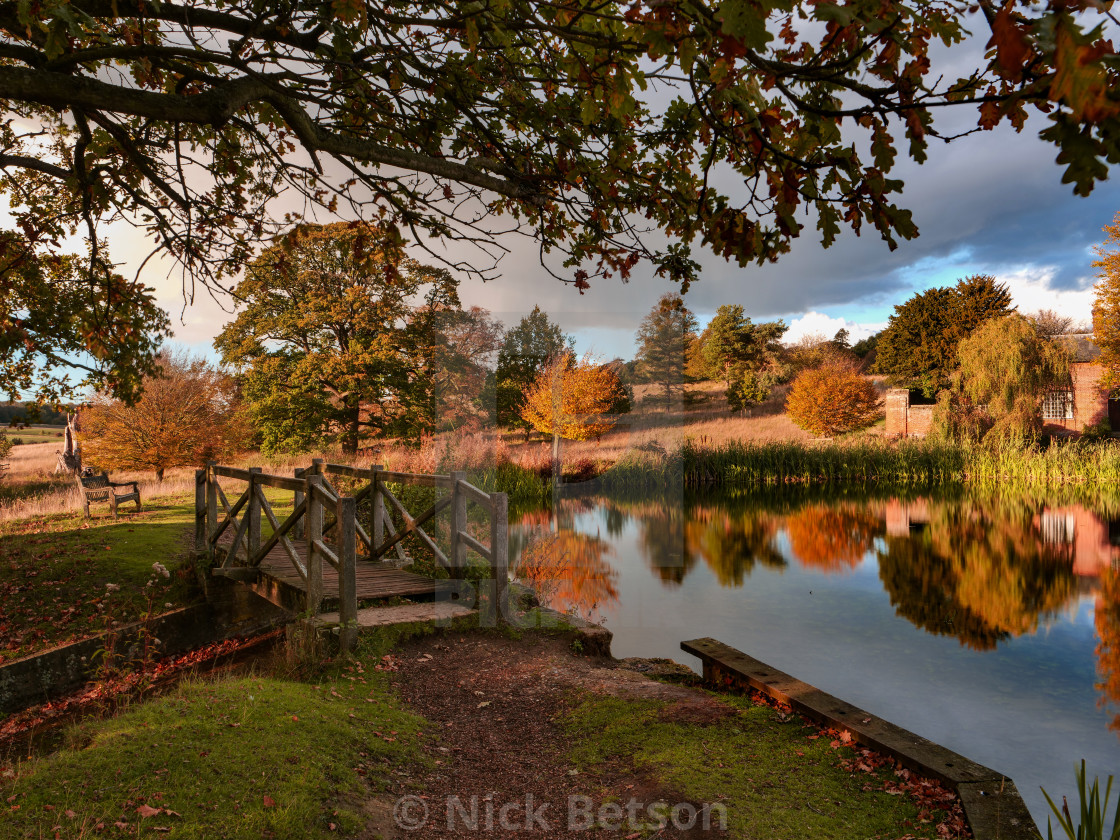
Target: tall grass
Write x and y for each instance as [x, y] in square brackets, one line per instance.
[906, 463]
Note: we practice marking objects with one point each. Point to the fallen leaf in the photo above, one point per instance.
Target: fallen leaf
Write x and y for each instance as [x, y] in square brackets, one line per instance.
[147, 811]
[269, 802]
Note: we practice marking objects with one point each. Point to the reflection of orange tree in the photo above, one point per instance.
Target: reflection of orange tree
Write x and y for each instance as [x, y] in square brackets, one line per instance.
[570, 572]
[1107, 618]
[832, 538]
[732, 544]
[982, 575]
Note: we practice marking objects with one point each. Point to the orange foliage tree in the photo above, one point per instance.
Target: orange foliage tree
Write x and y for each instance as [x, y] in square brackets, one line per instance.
[1107, 619]
[571, 399]
[186, 415]
[833, 399]
[832, 539]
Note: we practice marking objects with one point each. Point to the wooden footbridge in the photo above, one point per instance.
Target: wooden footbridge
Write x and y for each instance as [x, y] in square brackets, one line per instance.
[324, 552]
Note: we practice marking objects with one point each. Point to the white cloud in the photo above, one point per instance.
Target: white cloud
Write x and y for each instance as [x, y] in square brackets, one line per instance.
[1032, 289]
[817, 323]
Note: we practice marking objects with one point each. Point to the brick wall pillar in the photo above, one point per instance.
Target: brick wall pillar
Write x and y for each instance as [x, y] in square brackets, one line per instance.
[897, 408]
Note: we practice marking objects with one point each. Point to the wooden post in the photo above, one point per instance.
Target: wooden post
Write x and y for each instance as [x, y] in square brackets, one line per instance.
[377, 501]
[347, 513]
[297, 498]
[314, 532]
[499, 552]
[211, 508]
[458, 554]
[199, 511]
[372, 516]
[253, 532]
[317, 465]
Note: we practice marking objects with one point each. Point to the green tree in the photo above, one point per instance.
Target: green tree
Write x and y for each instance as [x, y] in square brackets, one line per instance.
[746, 356]
[664, 337]
[1007, 366]
[1106, 305]
[191, 118]
[58, 316]
[329, 342]
[525, 351]
[865, 346]
[918, 349]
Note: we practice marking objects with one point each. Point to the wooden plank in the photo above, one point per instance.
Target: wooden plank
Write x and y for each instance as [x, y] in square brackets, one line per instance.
[346, 470]
[472, 543]
[322, 548]
[280, 482]
[416, 478]
[476, 495]
[279, 535]
[413, 526]
[231, 472]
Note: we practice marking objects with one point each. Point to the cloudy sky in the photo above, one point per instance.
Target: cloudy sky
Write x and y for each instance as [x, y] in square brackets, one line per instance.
[990, 203]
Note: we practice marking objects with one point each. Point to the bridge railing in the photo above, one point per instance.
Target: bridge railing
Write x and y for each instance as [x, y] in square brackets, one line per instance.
[326, 524]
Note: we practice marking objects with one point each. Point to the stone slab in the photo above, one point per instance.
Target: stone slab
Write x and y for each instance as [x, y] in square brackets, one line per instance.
[991, 802]
[403, 614]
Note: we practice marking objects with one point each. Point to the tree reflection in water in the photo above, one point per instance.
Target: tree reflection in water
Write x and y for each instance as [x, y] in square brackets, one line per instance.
[568, 570]
[981, 572]
[1107, 618]
[982, 569]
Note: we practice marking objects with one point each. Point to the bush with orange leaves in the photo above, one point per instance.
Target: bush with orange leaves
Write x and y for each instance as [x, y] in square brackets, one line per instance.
[571, 398]
[833, 399]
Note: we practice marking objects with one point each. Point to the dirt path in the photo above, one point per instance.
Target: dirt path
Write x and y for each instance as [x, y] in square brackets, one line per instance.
[493, 704]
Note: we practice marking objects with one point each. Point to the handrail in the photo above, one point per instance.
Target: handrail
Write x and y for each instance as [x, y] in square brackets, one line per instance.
[319, 508]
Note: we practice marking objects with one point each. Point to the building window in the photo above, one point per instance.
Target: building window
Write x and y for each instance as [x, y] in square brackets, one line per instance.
[1058, 405]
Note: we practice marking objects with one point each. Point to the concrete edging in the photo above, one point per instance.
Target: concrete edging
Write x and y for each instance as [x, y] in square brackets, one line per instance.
[992, 804]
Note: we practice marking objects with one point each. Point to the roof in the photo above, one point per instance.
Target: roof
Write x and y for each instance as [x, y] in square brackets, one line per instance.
[1081, 346]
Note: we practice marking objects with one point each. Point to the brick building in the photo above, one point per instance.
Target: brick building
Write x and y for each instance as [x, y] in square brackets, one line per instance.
[1064, 412]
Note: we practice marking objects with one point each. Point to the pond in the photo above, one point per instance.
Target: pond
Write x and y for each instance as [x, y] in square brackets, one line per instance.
[990, 624]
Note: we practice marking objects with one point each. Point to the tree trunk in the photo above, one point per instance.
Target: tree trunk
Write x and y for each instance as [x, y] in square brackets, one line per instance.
[159, 474]
[555, 458]
[70, 458]
[350, 441]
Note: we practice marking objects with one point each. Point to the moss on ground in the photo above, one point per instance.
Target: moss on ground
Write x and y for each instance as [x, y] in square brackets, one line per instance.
[241, 758]
[776, 777]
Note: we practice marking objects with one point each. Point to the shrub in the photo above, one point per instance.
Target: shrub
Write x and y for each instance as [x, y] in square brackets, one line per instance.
[833, 399]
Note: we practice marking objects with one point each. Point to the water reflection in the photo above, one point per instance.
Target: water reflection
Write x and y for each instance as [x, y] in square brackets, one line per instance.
[982, 570]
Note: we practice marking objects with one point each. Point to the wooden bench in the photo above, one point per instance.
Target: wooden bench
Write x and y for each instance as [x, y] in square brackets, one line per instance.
[98, 488]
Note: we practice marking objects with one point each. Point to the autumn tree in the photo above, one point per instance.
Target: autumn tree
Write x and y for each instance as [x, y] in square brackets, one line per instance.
[833, 399]
[1008, 367]
[1106, 305]
[186, 415]
[338, 336]
[918, 348]
[571, 399]
[664, 337]
[59, 316]
[194, 120]
[526, 349]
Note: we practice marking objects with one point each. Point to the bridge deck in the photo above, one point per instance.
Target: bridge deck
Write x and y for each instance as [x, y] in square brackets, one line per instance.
[375, 580]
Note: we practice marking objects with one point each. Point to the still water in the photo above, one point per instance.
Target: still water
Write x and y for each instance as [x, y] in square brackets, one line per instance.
[988, 624]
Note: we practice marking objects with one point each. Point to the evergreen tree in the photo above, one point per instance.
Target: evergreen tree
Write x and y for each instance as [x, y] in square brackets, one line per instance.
[918, 349]
[664, 337]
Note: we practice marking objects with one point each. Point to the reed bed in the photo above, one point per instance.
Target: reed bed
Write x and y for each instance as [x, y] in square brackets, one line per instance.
[901, 464]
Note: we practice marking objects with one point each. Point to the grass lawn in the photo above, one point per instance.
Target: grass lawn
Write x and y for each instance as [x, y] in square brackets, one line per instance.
[249, 757]
[56, 571]
[775, 776]
[35, 434]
